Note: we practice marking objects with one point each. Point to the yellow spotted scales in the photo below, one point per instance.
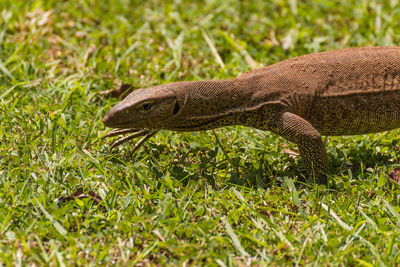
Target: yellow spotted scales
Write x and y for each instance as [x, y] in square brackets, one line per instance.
[341, 92]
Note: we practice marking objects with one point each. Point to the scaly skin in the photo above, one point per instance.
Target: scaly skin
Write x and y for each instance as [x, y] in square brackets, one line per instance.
[342, 92]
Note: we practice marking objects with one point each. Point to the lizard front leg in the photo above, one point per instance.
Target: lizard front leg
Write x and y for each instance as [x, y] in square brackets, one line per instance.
[309, 141]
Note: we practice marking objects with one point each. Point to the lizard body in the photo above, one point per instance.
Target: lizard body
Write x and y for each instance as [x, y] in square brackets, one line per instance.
[341, 92]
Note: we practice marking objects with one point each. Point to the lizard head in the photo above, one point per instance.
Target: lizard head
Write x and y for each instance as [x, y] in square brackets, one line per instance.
[144, 108]
[180, 106]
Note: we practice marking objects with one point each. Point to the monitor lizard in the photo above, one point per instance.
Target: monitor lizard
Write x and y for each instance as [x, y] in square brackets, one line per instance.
[340, 92]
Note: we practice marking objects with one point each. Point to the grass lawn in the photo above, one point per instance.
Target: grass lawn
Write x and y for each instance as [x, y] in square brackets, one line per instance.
[226, 197]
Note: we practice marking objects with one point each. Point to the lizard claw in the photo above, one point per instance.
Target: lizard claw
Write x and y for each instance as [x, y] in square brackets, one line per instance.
[142, 140]
[119, 131]
[145, 133]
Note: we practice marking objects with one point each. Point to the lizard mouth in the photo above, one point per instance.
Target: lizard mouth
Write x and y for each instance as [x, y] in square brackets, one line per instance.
[117, 125]
[199, 126]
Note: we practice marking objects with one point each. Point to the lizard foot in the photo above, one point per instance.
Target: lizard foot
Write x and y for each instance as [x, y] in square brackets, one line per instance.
[145, 133]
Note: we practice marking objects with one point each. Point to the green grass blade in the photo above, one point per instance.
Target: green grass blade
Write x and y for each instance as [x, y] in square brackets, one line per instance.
[55, 223]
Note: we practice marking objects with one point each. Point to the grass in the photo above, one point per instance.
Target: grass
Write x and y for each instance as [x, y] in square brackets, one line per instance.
[226, 197]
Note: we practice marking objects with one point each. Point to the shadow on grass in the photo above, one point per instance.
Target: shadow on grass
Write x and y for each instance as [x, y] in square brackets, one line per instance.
[356, 162]
[254, 170]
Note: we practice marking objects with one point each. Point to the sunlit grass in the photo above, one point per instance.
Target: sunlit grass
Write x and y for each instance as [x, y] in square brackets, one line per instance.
[226, 197]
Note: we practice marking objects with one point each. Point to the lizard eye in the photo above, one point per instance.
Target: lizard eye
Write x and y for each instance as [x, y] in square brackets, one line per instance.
[146, 107]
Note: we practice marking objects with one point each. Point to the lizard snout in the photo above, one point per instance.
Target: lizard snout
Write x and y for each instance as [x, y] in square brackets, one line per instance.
[114, 117]
[106, 120]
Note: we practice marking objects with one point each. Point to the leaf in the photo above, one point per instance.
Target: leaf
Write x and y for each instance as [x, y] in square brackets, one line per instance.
[392, 210]
[55, 223]
[234, 238]
[337, 218]
[6, 71]
[213, 49]
[79, 202]
[295, 195]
